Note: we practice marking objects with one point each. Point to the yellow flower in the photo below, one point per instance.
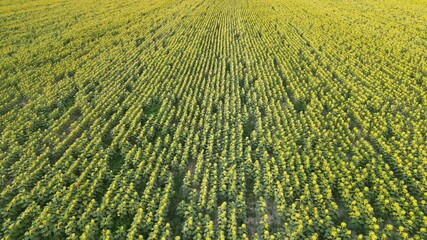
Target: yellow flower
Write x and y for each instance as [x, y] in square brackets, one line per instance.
[373, 235]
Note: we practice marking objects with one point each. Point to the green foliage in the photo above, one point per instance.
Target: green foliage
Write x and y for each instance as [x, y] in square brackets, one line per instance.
[203, 119]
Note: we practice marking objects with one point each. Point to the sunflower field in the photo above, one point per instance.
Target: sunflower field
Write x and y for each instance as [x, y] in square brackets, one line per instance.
[213, 119]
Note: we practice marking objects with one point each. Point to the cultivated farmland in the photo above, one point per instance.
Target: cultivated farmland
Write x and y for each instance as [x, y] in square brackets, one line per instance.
[213, 119]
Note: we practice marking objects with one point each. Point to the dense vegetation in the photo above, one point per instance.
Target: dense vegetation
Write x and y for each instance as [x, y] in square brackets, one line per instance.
[213, 119]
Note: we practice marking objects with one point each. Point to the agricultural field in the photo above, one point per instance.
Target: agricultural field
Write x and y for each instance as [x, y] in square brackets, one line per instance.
[213, 119]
